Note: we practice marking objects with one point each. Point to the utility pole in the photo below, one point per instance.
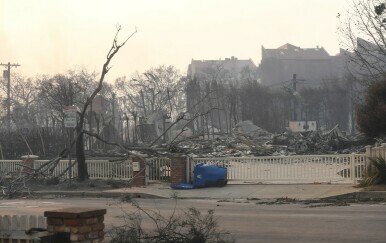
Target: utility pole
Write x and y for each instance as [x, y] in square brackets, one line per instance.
[7, 73]
[294, 81]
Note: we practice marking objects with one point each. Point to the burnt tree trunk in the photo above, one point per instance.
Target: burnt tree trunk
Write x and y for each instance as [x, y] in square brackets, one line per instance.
[80, 155]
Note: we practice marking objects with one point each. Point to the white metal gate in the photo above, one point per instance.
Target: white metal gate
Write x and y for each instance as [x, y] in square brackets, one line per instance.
[290, 169]
[158, 169]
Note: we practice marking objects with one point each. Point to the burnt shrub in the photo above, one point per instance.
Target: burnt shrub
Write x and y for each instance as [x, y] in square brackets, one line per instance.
[190, 226]
[371, 114]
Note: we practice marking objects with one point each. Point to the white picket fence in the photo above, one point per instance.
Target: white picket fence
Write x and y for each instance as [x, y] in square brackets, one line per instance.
[379, 151]
[13, 227]
[97, 169]
[7, 166]
[290, 169]
[342, 168]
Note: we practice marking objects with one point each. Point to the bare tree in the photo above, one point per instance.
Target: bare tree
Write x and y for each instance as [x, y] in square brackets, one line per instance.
[62, 90]
[80, 155]
[23, 99]
[157, 89]
[101, 116]
[364, 39]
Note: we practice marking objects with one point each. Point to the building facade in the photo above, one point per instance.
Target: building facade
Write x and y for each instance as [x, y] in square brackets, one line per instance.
[228, 71]
[312, 64]
[211, 92]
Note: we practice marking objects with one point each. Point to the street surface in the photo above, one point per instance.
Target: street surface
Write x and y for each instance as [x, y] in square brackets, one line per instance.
[246, 220]
[244, 191]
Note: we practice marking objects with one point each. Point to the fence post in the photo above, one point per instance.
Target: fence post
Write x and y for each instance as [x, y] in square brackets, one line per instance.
[188, 179]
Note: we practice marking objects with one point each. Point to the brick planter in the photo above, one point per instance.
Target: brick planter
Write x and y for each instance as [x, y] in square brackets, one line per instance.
[82, 224]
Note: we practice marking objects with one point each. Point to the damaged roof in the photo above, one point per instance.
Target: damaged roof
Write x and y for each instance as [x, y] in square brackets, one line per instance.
[289, 51]
[212, 66]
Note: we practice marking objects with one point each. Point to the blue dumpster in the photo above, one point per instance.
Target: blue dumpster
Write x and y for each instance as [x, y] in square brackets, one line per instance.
[209, 175]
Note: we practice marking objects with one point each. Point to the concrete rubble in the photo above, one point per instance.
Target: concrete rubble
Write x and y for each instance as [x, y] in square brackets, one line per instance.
[322, 142]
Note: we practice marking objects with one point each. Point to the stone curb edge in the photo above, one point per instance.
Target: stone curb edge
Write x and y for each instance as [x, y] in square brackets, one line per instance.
[370, 195]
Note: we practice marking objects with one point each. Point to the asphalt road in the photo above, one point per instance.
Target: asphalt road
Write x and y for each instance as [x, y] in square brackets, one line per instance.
[246, 220]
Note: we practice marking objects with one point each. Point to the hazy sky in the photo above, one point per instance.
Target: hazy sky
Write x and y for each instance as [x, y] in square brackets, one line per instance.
[51, 36]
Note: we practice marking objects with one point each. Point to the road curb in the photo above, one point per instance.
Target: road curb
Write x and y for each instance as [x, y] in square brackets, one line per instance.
[360, 196]
[371, 195]
[102, 194]
[92, 194]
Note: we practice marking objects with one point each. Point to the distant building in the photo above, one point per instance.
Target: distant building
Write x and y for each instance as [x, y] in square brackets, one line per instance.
[313, 64]
[221, 77]
[227, 71]
[367, 62]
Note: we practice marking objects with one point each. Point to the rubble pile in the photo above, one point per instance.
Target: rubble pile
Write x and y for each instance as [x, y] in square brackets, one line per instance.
[247, 128]
[251, 140]
[319, 142]
[246, 140]
[222, 146]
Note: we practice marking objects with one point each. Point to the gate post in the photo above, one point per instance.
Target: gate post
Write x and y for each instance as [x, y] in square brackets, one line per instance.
[188, 168]
[352, 168]
[177, 169]
[139, 173]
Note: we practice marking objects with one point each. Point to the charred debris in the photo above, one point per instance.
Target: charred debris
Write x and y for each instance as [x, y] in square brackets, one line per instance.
[248, 139]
